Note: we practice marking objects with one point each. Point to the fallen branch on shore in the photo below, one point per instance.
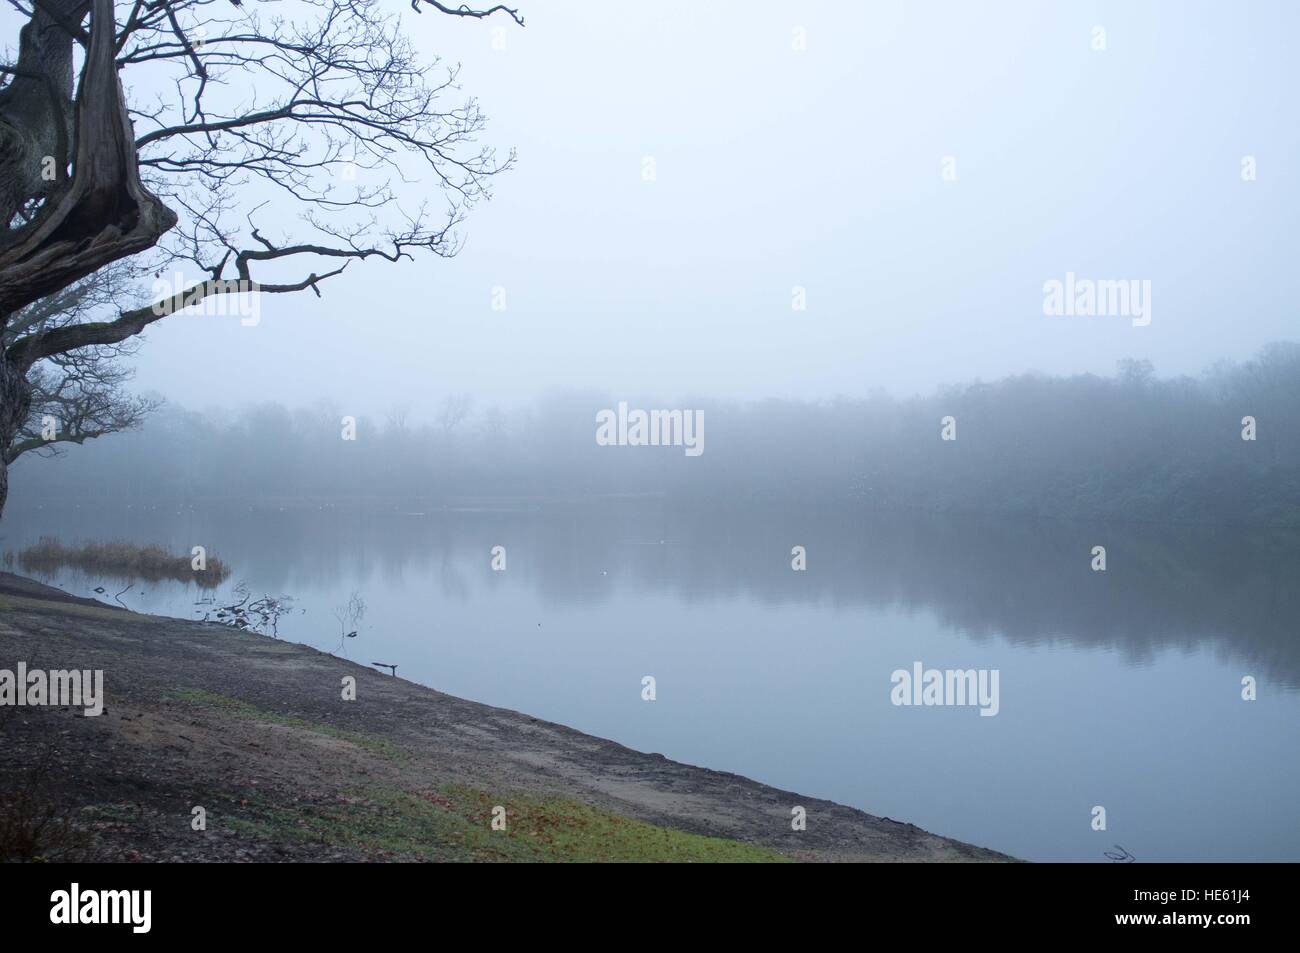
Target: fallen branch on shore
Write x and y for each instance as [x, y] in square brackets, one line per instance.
[254, 615]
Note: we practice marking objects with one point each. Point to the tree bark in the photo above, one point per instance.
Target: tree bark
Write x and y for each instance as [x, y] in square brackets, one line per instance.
[36, 108]
[105, 213]
[15, 401]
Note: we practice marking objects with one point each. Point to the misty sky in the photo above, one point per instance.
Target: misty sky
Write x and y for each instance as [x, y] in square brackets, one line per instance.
[819, 168]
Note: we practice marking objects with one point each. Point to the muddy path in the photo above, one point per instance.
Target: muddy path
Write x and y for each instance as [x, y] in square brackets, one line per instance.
[255, 732]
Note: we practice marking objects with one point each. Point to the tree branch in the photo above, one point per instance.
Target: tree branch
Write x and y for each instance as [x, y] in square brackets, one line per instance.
[465, 11]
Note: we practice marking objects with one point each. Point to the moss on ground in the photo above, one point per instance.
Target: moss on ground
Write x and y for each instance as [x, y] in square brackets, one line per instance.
[201, 698]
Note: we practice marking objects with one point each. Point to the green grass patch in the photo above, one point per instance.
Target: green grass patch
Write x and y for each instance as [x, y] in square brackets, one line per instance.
[559, 829]
[201, 698]
[455, 824]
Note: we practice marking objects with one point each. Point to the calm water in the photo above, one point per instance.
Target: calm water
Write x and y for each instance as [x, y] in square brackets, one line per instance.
[1119, 689]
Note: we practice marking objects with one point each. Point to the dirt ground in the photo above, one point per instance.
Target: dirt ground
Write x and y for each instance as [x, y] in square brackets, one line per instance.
[255, 731]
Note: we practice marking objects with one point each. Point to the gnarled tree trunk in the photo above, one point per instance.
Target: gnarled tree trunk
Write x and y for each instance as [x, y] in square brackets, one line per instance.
[103, 214]
[36, 108]
[15, 400]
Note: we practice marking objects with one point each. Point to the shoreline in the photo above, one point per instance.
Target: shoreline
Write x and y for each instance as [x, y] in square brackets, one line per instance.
[254, 731]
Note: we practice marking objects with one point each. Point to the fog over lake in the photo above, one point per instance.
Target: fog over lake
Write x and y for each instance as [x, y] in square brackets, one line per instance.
[894, 403]
[1116, 688]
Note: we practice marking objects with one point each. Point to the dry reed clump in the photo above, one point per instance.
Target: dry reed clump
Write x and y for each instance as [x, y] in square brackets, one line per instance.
[122, 560]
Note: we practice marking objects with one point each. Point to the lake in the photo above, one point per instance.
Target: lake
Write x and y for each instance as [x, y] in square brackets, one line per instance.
[1120, 689]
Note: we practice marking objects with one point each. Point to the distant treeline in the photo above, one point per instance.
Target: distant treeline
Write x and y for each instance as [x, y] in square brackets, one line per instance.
[1130, 447]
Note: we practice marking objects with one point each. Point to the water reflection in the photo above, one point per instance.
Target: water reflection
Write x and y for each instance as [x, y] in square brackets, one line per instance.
[1119, 688]
[1026, 582]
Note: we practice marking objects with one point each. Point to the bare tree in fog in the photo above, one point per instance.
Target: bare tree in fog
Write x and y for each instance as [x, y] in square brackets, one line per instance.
[1132, 446]
[397, 418]
[454, 411]
[89, 178]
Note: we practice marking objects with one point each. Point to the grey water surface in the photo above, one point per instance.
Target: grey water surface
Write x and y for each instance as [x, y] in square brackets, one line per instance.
[1120, 689]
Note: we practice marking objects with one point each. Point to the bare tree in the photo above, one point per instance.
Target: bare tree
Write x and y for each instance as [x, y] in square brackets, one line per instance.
[454, 411]
[397, 418]
[328, 111]
[78, 395]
